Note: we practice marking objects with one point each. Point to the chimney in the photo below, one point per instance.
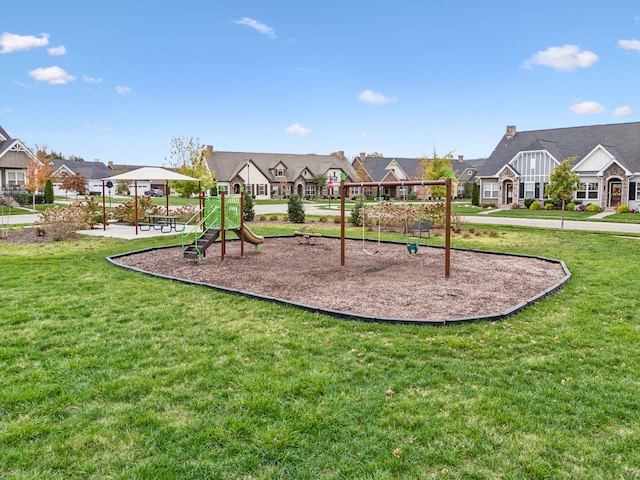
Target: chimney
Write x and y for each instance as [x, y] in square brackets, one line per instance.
[363, 155]
[209, 150]
[110, 165]
[511, 132]
[460, 158]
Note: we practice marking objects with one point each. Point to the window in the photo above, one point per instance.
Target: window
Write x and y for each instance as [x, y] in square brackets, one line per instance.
[403, 191]
[279, 172]
[529, 190]
[310, 190]
[490, 190]
[15, 177]
[587, 191]
[261, 189]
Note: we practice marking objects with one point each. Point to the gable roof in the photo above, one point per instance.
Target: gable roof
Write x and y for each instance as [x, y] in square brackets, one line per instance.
[89, 170]
[227, 164]
[561, 143]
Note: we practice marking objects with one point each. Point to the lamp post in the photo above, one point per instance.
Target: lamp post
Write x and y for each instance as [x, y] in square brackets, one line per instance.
[248, 180]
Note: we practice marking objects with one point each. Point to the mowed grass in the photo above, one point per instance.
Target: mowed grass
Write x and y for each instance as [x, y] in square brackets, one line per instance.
[107, 373]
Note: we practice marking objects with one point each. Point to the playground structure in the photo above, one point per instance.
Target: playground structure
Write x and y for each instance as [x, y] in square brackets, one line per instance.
[219, 215]
[410, 246]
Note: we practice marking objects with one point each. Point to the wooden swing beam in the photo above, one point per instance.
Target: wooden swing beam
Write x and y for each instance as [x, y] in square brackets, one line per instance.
[446, 183]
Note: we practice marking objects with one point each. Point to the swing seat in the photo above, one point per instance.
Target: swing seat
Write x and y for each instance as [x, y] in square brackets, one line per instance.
[412, 248]
[377, 250]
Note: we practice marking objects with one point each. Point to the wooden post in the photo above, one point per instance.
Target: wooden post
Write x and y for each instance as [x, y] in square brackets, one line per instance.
[104, 209]
[222, 231]
[447, 242]
[135, 186]
[241, 223]
[342, 229]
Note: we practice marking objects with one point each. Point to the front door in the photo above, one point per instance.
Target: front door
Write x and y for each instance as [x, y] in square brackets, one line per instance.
[508, 193]
[615, 193]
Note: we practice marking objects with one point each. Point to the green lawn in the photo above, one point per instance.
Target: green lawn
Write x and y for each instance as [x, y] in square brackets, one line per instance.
[108, 373]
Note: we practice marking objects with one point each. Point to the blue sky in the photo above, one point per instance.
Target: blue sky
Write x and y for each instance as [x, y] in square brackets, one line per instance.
[117, 80]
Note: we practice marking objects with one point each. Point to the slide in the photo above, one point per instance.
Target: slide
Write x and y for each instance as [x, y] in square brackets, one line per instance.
[251, 237]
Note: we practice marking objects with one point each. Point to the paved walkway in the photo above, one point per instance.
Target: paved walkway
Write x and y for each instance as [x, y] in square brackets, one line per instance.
[128, 232]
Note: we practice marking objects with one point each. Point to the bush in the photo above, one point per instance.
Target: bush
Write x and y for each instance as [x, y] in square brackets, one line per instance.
[579, 208]
[48, 192]
[295, 210]
[535, 205]
[528, 202]
[549, 206]
[475, 194]
[570, 206]
[356, 220]
[623, 209]
[322, 219]
[273, 218]
[336, 219]
[593, 207]
[126, 211]
[62, 223]
[249, 211]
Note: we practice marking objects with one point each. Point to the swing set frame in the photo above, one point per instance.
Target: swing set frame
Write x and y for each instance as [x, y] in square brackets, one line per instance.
[344, 185]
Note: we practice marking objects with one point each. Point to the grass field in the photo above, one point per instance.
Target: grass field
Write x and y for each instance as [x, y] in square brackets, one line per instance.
[107, 373]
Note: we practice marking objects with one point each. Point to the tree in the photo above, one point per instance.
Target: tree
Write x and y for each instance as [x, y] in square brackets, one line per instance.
[375, 155]
[189, 158]
[562, 183]
[436, 168]
[249, 211]
[475, 194]
[73, 183]
[48, 191]
[295, 210]
[38, 172]
[320, 181]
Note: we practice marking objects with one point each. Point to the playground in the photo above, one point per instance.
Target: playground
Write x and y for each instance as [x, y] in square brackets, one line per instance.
[391, 284]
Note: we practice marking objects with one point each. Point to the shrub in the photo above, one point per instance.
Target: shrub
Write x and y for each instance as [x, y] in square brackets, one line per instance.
[48, 192]
[336, 219]
[475, 194]
[570, 206]
[262, 218]
[62, 223]
[249, 211]
[623, 209]
[126, 211]
[579, 208]
[528, 202]
[186, 212]
[273, 218]
[295, 210]
[322, 219]
[549, 206]
[356, 220]
[593, 207]
[535, 205]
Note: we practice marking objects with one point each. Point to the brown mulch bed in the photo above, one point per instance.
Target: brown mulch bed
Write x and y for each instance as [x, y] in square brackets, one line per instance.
[389, 284]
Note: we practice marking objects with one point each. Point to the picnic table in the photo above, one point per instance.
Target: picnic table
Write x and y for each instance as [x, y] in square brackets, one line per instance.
[164, 223]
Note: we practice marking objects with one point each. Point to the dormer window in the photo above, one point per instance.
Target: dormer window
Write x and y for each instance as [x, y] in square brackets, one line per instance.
[279, 172]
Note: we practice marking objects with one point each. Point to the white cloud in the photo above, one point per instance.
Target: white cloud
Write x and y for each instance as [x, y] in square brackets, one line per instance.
[7, 109]
[366, 135]
[88, 79]
[57, 51]
[481, 136]
[623, 111]
[52, 75]
[256, 25]
[587, 108]
[375, 98]
[10, 42]
[297, 129]
[629, 45]
[565, 58]
[123, 90]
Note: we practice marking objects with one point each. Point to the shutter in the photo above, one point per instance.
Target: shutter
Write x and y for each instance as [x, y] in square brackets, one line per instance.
[632, 190]
[521, 190]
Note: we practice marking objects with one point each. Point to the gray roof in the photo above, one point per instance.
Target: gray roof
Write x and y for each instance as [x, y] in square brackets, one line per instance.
[621, 140]
[227, 164]
[375, 166]
[90, 170]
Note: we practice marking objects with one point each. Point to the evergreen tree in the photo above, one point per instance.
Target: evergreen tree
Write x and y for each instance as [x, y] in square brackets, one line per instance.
[295, 210]
[249, 211]
[356, 221]
[475, 194]
[48, 192]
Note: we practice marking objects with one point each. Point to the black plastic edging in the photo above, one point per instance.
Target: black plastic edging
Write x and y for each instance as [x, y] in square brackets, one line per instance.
[359, 317]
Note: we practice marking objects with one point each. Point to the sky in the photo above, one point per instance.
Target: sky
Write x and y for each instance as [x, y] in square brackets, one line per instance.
[118, 80]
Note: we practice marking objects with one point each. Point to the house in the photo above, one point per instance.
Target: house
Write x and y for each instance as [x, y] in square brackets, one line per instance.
[14, 162]
[278, 175]
[605, 157]
[94, 173]
[384, 169]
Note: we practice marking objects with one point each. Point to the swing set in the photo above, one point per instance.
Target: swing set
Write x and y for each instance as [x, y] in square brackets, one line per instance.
[344, 185]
